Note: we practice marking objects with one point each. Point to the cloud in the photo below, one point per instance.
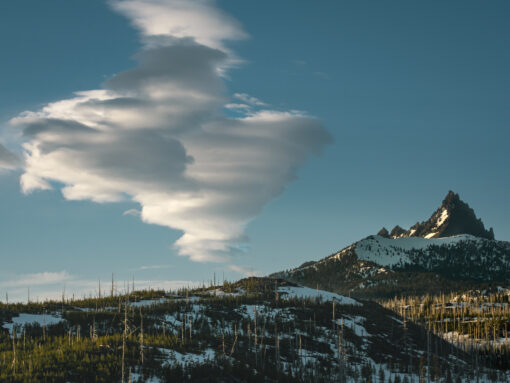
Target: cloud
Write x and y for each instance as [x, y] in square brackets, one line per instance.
[162, 20]
[51, 285]
[133, 212]
[237, 106]
[8, 160]
[321, 75]
[37, 279]
[158, 135]
[154, 267]
[249, 99]
[245, 271]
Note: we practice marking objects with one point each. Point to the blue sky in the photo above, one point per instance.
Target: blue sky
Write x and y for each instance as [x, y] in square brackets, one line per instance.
[413, 95]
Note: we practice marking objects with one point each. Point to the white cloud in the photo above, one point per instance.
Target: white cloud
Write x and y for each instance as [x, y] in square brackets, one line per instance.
[249, 99]
[237, 106]
[154, 267]
[52, 285]
[160, 20]
[133, 212]
[37, 279]
[79, 288]
[157, 135]
[245, 271]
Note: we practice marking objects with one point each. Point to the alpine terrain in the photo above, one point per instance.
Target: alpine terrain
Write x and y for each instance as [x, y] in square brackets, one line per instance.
[309, 324]
[255, 330]
[452, 250]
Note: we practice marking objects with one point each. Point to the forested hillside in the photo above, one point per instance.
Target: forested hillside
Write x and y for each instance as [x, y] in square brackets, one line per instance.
[256, 330]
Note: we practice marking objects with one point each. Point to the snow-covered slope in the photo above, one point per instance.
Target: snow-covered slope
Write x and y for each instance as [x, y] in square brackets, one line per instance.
[23, 319]
[255, 334]
[391, 252]
[302, 292]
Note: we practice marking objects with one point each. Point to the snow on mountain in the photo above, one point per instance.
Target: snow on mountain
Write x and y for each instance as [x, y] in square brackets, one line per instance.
[24, 319]
[391, 252]
[302, 292]
[442, 218]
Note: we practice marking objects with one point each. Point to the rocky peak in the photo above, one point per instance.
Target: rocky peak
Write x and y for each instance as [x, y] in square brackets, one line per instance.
[453, 217]
[384, 233]
[398, 232]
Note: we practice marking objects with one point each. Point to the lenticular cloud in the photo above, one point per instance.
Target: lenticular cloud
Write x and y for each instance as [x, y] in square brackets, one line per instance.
[158, 134]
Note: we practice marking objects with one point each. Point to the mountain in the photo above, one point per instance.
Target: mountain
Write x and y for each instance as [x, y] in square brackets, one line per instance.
[451, 250]
[453, 217]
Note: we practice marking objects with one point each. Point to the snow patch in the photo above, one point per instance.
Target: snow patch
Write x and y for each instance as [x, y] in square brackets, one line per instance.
[442, 218]
[136, 377]
[177, 357]
[23, 319]
[391, 252]
[355, 323]
[148, 302]
[308, 293]
[220, 293]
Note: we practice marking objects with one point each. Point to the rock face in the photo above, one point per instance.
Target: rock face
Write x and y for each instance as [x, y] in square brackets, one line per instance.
[398, 232]
[453, 217]
[383, 233]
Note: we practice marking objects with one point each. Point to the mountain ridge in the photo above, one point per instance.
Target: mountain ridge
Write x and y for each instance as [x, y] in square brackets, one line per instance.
[453, 217]
[451, 249]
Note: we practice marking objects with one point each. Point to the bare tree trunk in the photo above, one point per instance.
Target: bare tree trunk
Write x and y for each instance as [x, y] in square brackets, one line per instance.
[235, 340]
[124, 341]
[255, 324]
[141, 334]
[14, 349]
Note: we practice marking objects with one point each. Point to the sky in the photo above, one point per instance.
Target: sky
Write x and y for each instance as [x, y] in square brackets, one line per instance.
[170, 140]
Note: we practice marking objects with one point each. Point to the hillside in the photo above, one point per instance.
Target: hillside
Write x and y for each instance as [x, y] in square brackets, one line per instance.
[255, 330]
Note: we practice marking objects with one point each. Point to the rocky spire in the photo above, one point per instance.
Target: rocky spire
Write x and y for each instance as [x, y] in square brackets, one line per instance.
[384, 233]
[453, 217]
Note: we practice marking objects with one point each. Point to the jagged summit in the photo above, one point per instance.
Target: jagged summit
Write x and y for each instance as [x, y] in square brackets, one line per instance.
[384, 233]
[451, 249]
[398, 232]
[453, 217]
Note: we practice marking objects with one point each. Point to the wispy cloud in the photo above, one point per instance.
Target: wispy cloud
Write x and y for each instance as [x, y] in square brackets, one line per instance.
[157, 134]
[154, 267]
[8, 160]
[52, 285]
[37, 279]
[245, 271]
[249, 99]
[299, 63]
[237, 106]
[133, 212]
[321, 75]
